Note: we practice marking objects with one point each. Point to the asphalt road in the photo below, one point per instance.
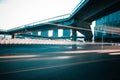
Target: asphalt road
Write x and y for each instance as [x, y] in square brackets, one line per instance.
[60, 63]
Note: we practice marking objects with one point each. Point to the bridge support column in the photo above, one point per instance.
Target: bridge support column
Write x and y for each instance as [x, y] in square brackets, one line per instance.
[55, 33]
[74, 38]
[85, 30]
[13, 36]
[4, 36]
[74, 35]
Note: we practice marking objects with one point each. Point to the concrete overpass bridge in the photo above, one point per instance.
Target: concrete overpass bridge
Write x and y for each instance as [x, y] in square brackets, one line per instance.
[79, 20]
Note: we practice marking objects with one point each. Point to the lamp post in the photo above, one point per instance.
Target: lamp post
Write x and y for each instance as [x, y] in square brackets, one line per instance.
[102, 39]
[103, 33]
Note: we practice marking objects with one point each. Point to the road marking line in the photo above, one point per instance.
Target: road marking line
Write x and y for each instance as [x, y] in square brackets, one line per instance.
[17, 56]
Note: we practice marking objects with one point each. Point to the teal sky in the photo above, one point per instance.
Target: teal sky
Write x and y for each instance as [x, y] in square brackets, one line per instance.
[14, 13]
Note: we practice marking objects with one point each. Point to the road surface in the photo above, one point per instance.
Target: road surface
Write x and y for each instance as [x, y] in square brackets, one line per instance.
[18, 62]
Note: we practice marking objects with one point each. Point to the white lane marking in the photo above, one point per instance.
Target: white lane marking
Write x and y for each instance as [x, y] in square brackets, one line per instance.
[64, 57]
[17, 56]
[114, 53]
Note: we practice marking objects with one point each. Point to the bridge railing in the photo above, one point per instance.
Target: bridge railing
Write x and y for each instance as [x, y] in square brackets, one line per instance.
[65, 16]
[51, 19]
[78, 5]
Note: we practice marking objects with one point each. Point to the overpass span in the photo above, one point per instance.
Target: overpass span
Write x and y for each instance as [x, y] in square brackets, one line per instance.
[82, 16]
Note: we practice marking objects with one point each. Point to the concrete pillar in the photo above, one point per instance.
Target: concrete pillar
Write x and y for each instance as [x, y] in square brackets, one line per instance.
[74, 38]
[74, 35]
[13, 36]
[55, 33]
[4, 36]
[86, 30]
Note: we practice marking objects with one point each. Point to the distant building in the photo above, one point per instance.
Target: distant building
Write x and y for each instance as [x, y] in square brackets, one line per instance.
[108, 28]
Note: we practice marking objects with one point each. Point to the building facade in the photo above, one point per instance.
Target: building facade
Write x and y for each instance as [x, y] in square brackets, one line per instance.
[108, 28]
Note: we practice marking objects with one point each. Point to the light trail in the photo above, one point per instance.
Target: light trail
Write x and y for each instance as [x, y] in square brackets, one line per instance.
[114, 53]
[58, 66]
[67, 56]
[17, 56]
[109, 31]
[90, 51]
[38, 58]
[59, 42]
[109, 28]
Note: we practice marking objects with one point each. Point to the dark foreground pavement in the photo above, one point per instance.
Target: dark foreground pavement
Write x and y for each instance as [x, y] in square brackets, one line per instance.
[61, 63]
